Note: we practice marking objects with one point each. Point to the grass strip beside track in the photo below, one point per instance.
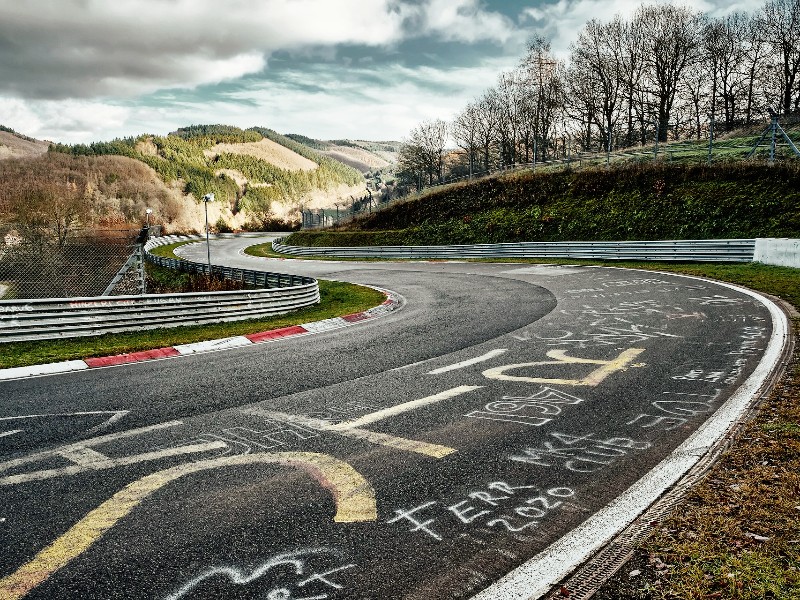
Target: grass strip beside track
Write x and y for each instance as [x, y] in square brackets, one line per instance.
[168, 250]
[336, 299]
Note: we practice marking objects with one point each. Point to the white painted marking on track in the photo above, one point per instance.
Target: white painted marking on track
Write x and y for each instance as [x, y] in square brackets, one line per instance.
[4, 466]
[12, 432]
[472, 361]
[220, 344]
[116, 415]
[419, 362]
[46, 369]
[89, 460]
[536, 577]
[403, 408]
[553, 271]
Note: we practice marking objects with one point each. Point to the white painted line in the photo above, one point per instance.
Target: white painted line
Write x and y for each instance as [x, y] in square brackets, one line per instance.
[46, 369]
[472, 361]
[537, 576]
[4, 466]
[116, 415]
[419, 362]
[325, 325]
[207, 346]
[402, 408]
[12, 432]
[89, 460]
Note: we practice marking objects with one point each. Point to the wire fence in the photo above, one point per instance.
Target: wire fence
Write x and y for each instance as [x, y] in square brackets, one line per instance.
[766, 142]
[47, 262]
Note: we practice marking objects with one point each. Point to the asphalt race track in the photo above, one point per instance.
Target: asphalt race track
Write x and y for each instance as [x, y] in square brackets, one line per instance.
[471, 443]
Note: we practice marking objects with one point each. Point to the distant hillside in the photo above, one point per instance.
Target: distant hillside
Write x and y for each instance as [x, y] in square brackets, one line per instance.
[15, 145]
[363, 156]
[257, 175]
[632, 202]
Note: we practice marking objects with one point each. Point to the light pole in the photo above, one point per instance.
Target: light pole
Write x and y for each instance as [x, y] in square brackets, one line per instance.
[148, 212]
[206, 199]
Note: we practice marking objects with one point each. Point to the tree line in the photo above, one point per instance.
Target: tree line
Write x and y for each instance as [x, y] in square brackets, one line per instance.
[667, 72]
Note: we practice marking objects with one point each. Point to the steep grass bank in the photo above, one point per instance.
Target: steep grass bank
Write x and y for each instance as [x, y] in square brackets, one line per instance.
[636, 202]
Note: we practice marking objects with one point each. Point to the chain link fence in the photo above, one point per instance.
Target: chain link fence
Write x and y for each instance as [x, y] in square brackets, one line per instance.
[45, 261]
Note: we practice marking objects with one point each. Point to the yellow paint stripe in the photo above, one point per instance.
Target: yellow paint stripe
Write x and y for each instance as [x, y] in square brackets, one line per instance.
[355, 501]
[382, 439]
[618, 364]
[399, 443]
[560, 357]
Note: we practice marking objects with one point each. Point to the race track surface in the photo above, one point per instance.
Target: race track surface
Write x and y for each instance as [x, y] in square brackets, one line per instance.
[422, 455]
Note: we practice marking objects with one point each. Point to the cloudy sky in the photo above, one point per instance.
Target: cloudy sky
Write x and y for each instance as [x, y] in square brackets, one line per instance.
[86, 70]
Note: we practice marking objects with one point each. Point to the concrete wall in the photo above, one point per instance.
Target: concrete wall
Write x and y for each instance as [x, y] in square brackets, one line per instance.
[784, 252]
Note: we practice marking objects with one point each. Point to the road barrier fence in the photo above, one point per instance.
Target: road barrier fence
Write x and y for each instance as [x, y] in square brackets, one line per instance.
[730, 250]
[57, 318]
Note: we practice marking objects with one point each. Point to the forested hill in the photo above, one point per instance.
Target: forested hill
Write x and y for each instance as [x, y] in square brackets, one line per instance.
[249, 170]
[633, 202]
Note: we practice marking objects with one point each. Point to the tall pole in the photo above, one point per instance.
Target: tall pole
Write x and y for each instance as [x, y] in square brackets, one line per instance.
[710, 139]
[206, 199]
[774, 127]
[658, 133]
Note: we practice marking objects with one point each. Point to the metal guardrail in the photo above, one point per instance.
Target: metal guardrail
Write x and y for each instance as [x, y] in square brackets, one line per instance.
[57, 318]
[731, 250]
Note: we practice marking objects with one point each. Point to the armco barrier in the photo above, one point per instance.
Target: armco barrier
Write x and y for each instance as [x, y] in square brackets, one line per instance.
[733, 250]
[44, 319]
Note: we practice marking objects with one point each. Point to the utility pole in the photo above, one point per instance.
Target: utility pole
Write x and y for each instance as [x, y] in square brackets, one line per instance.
[206, 199]
[655, 151]
[710, 139]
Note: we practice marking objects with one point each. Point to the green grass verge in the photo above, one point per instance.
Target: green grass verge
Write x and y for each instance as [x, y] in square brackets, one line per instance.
[337, 299]
[168, 250]
[264, 251]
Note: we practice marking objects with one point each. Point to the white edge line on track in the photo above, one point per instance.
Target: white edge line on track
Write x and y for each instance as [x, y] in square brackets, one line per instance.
[538, 575]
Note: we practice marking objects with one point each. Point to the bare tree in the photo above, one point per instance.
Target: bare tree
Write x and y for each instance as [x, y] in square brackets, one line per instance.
[465, 131]
[544, 77]
[488, 113]
[780, 25]
[672, 41]
[725, 55]
[598, 57]
[423, 152]
[510, 98]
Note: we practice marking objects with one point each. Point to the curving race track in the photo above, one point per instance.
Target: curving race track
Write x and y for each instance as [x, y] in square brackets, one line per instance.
[483, 441]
